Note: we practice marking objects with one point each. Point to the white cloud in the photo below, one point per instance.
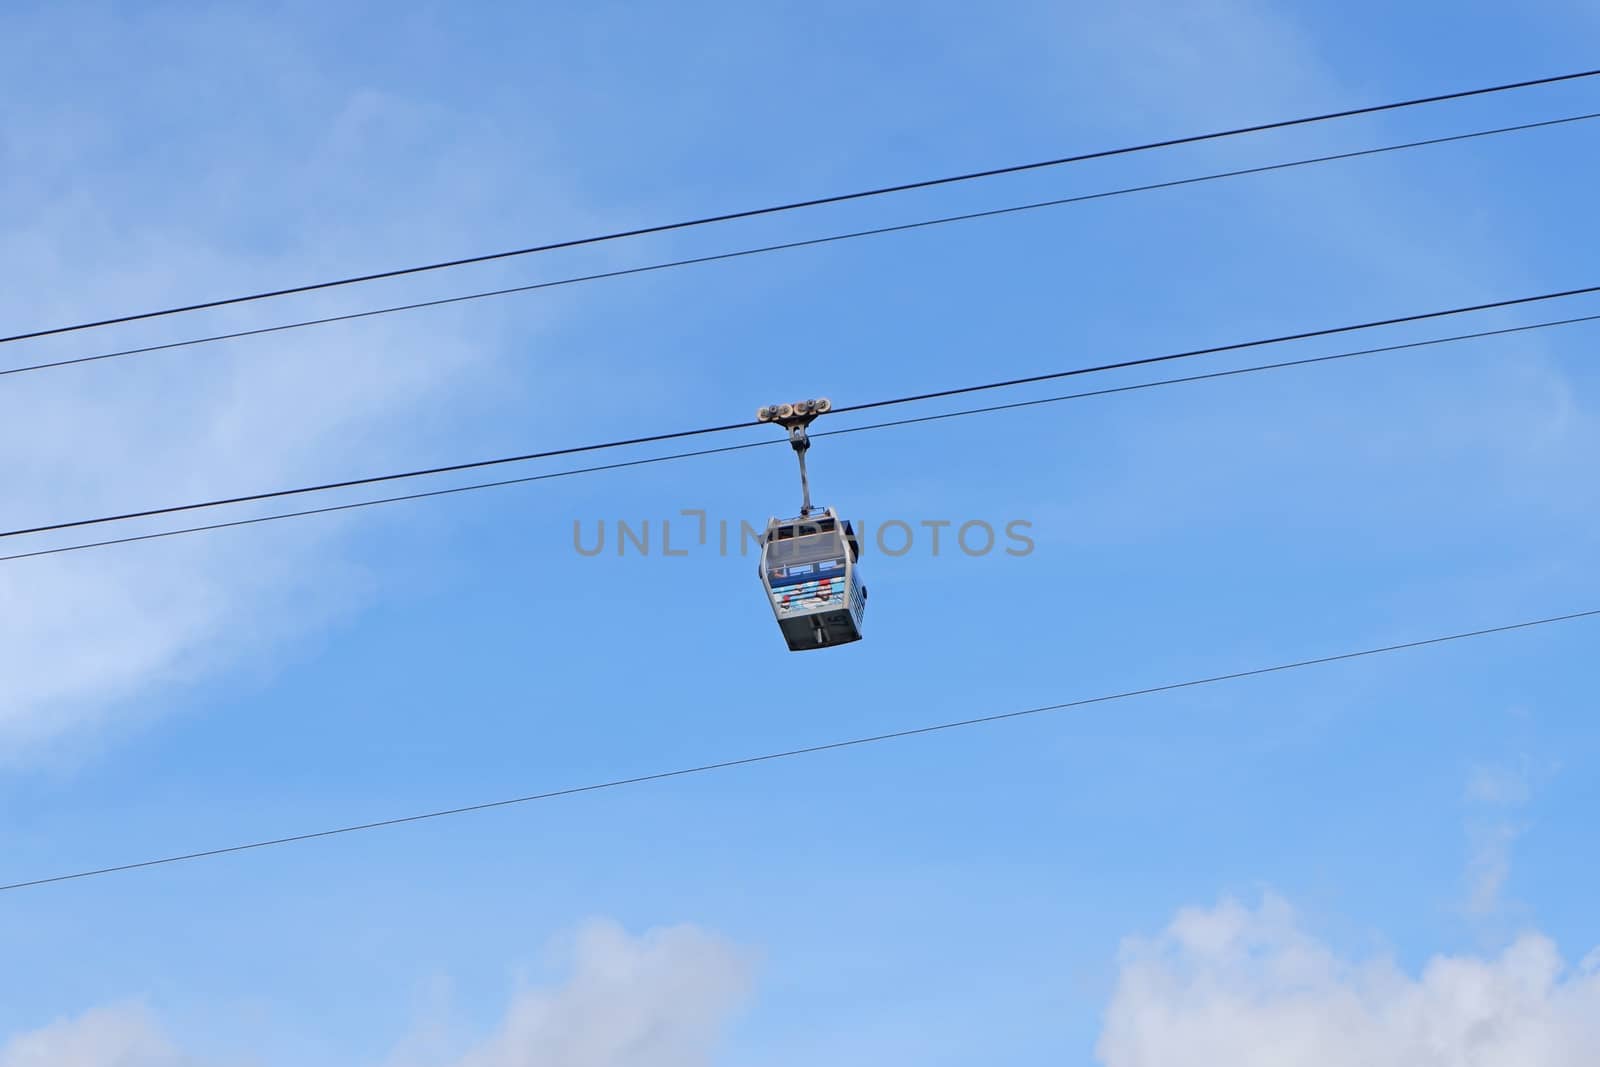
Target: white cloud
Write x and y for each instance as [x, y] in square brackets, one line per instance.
[661, 999]
[656, 1001]
[1239, 987]
[117, 1036]
[249, 189]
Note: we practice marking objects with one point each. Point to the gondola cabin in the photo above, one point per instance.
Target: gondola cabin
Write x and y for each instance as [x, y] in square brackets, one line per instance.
[809, 566]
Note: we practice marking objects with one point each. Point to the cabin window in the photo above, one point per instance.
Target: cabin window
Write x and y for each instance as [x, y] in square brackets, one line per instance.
[805, 529]
[805, 559]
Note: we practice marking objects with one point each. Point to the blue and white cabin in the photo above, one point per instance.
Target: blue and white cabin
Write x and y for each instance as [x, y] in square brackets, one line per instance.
[809, 566]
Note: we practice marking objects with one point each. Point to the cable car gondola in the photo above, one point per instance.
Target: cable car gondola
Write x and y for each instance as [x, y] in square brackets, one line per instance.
[809, 563]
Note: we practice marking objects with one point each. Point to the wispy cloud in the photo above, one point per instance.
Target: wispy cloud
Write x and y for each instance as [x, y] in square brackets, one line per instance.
[1489, 864]
[121, 1035]
[1486, 435]
[1496, 797]
[656, 1001]
[661, 999]
[279, 171]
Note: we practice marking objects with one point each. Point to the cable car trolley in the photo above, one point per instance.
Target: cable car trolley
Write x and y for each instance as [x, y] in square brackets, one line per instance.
[809, 563]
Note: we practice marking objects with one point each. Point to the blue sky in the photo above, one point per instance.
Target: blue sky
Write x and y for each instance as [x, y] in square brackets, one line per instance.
[1329, 860]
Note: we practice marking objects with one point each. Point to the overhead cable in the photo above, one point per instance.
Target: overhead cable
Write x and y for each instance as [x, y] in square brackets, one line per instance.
[989, 409]
[819, 201]
[350, 483]
[784, 246]
[809, 750]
